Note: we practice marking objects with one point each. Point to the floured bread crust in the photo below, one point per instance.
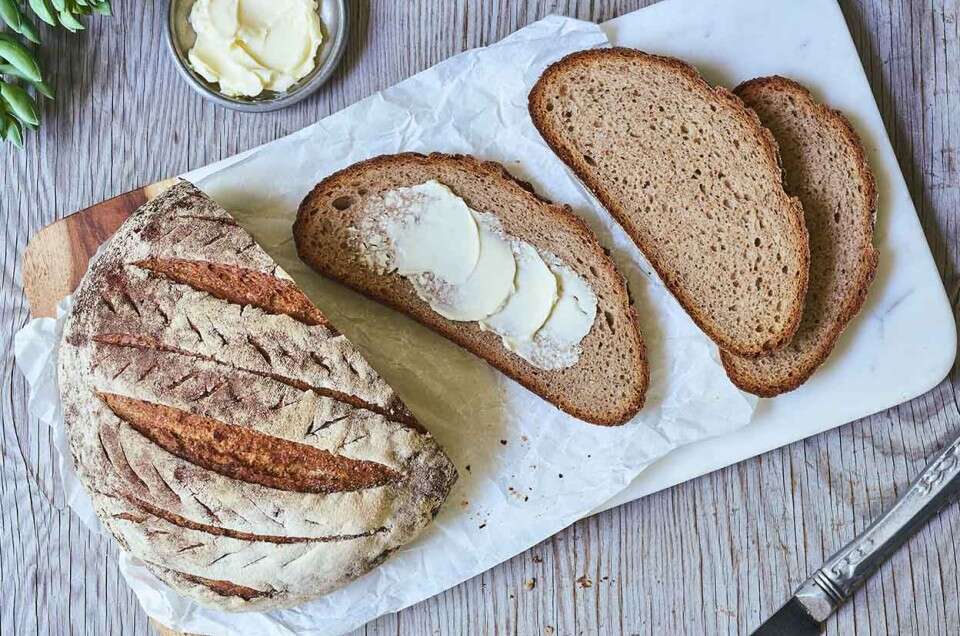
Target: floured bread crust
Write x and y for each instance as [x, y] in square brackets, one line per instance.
[228, 435]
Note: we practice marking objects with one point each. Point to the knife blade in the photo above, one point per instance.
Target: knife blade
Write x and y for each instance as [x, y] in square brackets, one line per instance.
[790, 620]
[834, 583]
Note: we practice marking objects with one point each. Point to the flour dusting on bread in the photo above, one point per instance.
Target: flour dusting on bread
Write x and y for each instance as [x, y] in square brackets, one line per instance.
[229, 436]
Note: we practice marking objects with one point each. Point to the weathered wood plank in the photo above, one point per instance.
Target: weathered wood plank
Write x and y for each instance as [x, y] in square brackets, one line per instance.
[714, 555]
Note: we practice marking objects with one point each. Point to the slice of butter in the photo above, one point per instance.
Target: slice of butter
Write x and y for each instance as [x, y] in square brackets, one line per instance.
[463, 264]
[484, 292]
[557, 344]
[529, 306]
[431, 231]
[573, 315]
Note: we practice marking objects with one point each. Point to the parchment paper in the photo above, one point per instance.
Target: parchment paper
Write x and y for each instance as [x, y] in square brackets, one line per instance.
[526, 469]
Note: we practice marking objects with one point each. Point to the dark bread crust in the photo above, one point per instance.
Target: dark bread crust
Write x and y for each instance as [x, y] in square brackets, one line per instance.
[218, 587]
[244, 454]
[573, 390]
[539, 113]
[770, 385]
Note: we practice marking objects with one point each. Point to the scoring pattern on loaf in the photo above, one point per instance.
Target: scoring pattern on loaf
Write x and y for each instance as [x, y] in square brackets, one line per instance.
[229, 436]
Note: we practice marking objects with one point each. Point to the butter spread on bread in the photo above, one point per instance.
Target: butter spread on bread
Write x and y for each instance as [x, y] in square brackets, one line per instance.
[607, 383]
[462, 263]
[229, 437]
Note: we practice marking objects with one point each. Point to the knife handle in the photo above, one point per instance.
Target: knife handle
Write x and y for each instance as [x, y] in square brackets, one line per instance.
[846, 570]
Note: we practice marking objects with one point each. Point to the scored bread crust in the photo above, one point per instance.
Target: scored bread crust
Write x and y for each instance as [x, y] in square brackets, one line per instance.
[228, 435]
[605, 391]
[745, 373]
[540, 114]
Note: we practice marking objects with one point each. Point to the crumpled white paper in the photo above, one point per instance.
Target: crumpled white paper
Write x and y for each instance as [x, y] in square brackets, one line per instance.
[526, 469]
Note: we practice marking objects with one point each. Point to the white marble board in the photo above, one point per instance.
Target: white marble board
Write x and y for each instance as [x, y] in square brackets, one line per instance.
[904, 341]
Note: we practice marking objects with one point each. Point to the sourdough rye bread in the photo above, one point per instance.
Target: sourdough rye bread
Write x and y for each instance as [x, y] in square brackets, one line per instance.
[229, 437]
[825, 166]
[605, 386]
[693, 178]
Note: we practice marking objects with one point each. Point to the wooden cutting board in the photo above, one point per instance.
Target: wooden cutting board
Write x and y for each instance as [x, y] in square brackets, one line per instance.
[56, 257]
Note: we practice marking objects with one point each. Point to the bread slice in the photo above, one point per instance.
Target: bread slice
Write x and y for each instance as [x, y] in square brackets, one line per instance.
[607, 384]
[693, 178]
[825, 166]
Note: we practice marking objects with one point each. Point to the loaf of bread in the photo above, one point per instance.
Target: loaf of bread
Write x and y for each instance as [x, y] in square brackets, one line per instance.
[825, 166]
[608, 382]
[230, 437]
[693, 178]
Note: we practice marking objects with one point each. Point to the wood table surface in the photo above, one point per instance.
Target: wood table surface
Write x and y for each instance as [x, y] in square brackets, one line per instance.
[715, 555]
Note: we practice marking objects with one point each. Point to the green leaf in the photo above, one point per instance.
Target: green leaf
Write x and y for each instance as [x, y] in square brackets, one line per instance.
[10, 69]
[14, 133]
[29, 30]
[20, 56]
[44, 11]
[42, 87]
[10, 13]
[69, 22]
[20, 103]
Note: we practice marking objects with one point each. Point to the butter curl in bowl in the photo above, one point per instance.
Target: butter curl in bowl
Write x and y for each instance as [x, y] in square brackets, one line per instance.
[257, 55]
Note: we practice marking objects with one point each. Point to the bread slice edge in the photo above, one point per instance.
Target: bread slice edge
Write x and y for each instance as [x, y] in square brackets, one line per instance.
[854, 303]
[537, 111]
[563, 214]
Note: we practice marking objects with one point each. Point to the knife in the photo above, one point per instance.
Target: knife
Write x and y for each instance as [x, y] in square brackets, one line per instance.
[830, 586]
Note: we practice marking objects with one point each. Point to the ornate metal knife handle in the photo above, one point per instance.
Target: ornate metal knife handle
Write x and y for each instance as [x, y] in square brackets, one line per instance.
[846, 570]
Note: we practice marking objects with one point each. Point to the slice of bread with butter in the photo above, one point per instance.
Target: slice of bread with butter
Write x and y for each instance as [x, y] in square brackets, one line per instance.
[471, 252]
